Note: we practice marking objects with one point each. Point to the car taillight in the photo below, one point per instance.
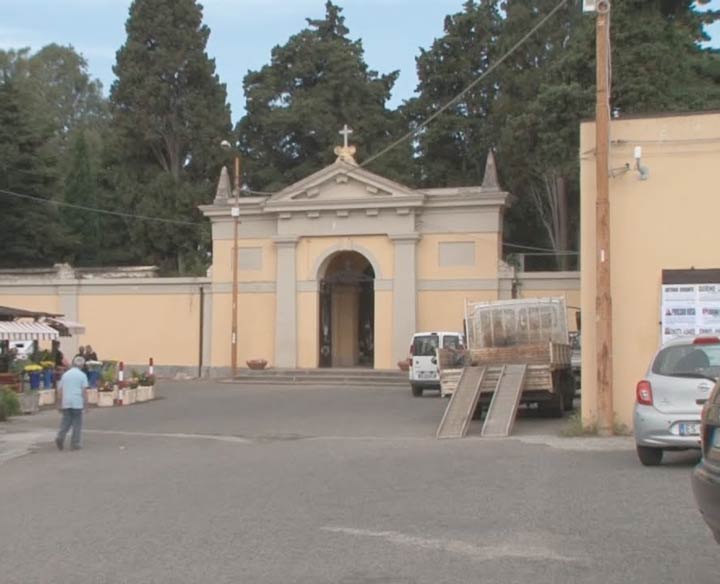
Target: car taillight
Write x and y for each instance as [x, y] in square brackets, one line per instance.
[644, 393]
[706, 341]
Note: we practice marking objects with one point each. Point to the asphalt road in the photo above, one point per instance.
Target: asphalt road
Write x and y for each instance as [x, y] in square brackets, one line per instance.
[221, 484]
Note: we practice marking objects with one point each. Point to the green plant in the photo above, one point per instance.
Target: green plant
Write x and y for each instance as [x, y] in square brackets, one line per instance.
[9, 403]
[574, 427]
[147, 379]
[134, 382]
[109, 373]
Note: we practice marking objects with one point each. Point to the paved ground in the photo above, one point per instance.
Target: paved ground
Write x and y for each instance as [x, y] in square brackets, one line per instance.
[221, 484]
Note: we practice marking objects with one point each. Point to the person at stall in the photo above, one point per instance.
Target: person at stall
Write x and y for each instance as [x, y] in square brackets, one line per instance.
[57, 354]
[90, 354]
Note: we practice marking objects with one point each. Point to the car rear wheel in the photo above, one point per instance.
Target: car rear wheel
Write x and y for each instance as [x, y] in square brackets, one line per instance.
[650, 456]
[416, 390]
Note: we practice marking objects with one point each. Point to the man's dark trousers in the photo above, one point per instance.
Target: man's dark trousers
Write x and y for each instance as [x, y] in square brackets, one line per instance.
[72, 418]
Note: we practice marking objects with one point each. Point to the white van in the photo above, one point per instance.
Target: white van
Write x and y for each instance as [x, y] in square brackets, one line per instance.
[424, 372]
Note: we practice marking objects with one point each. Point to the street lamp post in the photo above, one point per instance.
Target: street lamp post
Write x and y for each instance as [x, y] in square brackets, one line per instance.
[235, 213]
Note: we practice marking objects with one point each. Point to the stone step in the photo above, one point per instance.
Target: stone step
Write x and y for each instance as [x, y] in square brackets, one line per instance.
[356, 377]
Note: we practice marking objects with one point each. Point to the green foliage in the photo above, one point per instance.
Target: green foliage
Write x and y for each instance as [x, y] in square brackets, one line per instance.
[169, 115]
[315, 83]
[9, 403]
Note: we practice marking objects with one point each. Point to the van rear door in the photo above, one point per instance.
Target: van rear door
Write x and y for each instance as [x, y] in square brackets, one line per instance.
[424, 357]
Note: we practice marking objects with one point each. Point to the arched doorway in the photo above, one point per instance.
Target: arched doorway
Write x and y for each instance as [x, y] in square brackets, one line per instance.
[347, 311]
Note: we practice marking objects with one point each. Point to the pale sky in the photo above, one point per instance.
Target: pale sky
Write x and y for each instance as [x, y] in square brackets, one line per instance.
[243, 32]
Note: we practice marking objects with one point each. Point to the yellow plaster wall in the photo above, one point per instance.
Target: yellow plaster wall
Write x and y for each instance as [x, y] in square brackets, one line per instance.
[133, 327]
[666, 222]
[39, 303]
[310, 249]
[256, 328]
[486, 256]
[222, 265]
[445, 310]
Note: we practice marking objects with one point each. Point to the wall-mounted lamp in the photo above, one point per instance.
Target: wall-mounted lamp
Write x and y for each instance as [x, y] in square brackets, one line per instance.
[643, 170]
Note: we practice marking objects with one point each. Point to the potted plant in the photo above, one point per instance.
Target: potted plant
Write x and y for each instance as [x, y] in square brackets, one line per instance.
[94, 369]
[9, 403]
[33, 370]
[105, 395]
[147, 384]
[256, 364]
[48, 369]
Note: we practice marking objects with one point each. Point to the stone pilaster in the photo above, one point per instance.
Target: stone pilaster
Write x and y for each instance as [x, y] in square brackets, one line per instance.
[404, 293]
[286, 303]
[68, 306]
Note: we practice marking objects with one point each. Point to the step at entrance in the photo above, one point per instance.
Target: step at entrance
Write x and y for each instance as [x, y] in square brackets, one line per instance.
[460, 410]
[506, 399]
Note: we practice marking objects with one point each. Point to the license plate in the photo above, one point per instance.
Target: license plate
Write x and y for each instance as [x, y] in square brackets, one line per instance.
[427, 375]
[689, 429]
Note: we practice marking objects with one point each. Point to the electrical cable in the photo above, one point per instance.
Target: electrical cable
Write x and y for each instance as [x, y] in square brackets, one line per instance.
[97, 210]
[472, 85]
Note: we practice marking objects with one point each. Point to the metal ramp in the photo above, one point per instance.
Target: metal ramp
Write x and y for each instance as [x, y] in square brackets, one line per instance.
[505, 401]
[460, 410]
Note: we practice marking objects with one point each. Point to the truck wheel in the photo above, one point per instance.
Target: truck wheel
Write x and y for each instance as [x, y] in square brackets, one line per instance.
[416, 390]
[649, 456]
[569, 393]
[553, 408]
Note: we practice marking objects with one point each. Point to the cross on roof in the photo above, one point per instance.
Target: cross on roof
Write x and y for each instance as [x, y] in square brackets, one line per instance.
[345, 132]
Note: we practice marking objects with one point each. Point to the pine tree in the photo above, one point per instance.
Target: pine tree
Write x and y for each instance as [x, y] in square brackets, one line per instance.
[168, 103]
[169, 116]
[30, 231]
[315, 83]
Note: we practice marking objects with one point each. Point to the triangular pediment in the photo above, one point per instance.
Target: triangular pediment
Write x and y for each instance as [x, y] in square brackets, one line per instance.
[340, 182]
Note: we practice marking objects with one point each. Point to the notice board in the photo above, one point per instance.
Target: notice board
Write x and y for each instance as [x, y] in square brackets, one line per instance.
[690, 303]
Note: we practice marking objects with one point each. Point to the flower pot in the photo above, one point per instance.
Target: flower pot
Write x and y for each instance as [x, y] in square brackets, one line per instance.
[151, 392]
[34, 379]
[256, 363]
[131, 396]
[105, 399]
[29, 402]
[46, 397]
[92, 396]
[93, 377]
[142, 393]
[47, 378]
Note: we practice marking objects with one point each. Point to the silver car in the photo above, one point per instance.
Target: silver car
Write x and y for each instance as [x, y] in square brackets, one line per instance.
[669, 400]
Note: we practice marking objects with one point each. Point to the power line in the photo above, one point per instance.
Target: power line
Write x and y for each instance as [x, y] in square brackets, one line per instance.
[462, 94]
[97, 210]
[542, 249]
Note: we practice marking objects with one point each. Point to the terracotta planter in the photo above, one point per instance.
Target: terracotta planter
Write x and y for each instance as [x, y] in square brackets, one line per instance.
[256, 364]
[105, 399]
[404, 364]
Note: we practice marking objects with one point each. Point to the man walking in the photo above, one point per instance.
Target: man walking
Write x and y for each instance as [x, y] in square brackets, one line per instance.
[72, 401]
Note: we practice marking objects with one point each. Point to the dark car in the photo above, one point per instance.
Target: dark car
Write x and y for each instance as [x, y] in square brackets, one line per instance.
[706, 476]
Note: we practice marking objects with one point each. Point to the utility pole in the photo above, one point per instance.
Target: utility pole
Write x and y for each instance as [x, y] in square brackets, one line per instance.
[603, 300]
[235, 212]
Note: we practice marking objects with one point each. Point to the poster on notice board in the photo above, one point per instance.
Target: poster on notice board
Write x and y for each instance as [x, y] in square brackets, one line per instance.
[690, 309]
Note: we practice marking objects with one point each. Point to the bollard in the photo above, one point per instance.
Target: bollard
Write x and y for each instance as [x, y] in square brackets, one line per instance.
[121, 379]
[151, 368]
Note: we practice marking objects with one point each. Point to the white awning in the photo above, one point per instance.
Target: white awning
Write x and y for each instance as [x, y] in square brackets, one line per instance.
[66, 327]
[17, 330]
